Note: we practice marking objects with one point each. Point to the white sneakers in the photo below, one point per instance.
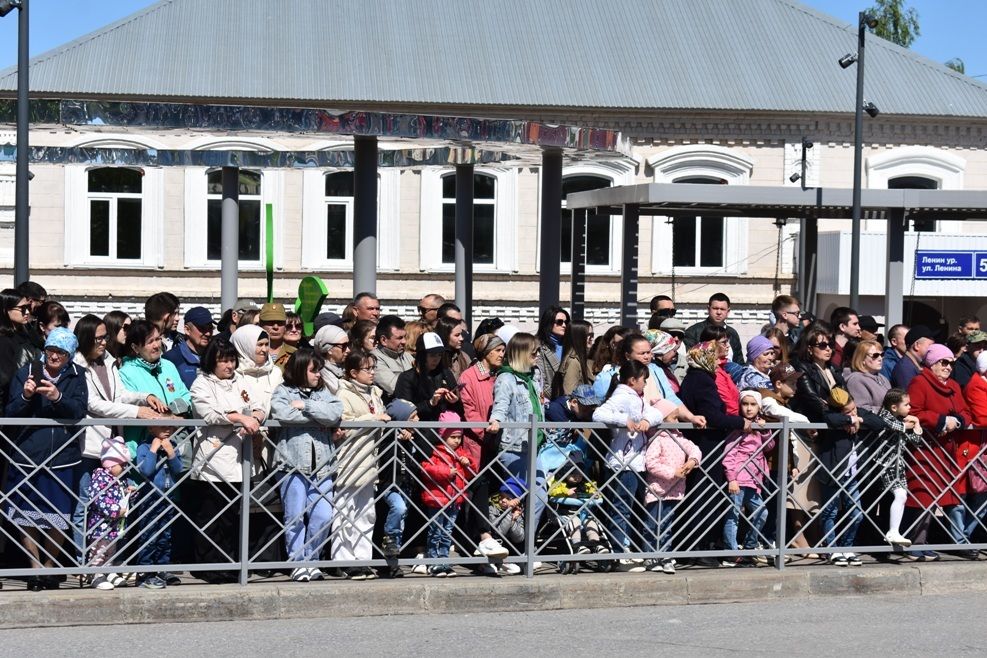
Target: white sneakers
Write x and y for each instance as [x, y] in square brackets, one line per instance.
[897, 538]
[632, 566]
[491, 548]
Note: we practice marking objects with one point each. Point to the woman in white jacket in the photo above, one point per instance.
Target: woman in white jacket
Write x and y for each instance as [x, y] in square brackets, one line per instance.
[107, 399]
[631, 417]
[261, 377]
[220, 397]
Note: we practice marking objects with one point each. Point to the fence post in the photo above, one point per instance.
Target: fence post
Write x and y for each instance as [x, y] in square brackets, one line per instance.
[781, 520]
[247, 453]
[529, 502]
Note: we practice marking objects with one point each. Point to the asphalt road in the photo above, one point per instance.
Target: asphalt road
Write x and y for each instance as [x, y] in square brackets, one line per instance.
[862, 626]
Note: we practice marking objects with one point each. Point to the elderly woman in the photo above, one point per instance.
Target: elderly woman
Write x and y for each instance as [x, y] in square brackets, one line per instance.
[935, 478]
[220, 396]
[145, 372]
[762, 355]
[865, 382]
[40, 498]
[664, 352]
[836, 446]
[333, 344]
[253, 348]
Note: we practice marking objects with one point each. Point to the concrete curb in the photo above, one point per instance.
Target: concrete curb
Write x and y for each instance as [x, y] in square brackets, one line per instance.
[334, 598]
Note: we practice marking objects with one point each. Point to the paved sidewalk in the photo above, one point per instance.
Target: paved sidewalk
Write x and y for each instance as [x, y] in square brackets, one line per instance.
[340, 598]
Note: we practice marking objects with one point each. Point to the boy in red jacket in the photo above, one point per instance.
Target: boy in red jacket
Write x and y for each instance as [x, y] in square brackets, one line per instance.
[446, 475]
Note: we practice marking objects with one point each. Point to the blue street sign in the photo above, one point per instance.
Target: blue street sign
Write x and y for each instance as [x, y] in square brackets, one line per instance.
[951, 265]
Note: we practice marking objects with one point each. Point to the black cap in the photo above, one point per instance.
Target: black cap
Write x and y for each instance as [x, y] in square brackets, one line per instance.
[917, 332]
[868, 323]
[324, 319]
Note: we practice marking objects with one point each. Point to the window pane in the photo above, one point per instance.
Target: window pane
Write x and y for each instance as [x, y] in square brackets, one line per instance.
[340, 184]
[115, 180]
[335, 231]
[484, 187]
[448, 233]
[684, 242]
[249, 182]
[916, 183]
[449, 186]
[249, 230]
[99, 228]
[483, 234]
[214, 229]
[598, 240]
[711, 245]
[566, 236]
[128, 228]
[571, 184]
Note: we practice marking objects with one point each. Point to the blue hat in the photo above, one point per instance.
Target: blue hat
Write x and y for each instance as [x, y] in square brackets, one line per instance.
[199, 316]
[513, 487]
[585, 395]
[399, 409]
[61, 338]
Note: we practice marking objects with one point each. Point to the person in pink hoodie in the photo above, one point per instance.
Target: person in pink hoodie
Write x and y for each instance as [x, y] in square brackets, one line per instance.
[745, 464]
[669, 459]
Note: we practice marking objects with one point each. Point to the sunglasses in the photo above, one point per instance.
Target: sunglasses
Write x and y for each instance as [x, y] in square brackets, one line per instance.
[291, 326]
[823, 345]
[561, 323]
[946, 363]
[25, 309]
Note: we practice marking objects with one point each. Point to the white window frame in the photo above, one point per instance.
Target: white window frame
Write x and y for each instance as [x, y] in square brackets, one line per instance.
[505, 220]
[8, 178]
[946, 169]
[314, 203]
[693, 161]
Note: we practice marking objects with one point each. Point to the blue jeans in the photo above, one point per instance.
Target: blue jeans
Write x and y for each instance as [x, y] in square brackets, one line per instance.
[440, 525]
[158, 517]
[975, 515]
[397, 511]
[749, 499]
[657, 524]
[957, 523]
[849, 499]
[622, 495]
[303, 498]
[516, 464]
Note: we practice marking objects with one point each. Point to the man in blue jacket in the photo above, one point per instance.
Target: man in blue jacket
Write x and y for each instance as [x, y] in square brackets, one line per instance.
[185, 354]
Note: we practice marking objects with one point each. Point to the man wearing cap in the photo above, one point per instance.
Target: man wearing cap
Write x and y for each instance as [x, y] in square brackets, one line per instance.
[870, 329]
[577, 407]
[965, 366]
[895, 349]
[186, 354]
[392, 359]
[918, 340]
[717, 311]
[272, 320]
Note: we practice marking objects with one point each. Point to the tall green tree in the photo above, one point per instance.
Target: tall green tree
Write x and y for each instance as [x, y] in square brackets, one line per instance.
[897, 23]
[957, 65]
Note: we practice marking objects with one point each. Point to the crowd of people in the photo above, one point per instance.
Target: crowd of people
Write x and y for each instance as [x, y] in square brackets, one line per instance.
[903, 402]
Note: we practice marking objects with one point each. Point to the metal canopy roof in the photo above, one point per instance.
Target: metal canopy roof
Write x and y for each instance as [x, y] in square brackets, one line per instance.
[747, 55]
[762, 201]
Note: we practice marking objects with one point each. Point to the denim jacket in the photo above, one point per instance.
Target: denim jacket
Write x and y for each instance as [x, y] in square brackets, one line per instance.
[512, 404]
[307, 450]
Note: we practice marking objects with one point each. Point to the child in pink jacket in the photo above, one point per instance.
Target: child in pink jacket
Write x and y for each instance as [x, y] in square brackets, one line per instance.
[745, 463]
[668, 460]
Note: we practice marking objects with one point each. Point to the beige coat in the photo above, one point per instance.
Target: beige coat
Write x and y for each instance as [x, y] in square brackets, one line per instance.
[219, 451]
[356, 457]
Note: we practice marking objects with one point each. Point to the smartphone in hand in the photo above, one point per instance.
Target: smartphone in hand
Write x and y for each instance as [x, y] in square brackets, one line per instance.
[36, 371]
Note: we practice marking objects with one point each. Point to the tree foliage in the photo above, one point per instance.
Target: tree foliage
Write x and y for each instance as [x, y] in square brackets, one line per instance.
[897, 23]
[957, 65]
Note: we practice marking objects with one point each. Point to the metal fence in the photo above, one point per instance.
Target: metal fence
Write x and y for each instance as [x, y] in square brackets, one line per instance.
[589, 498]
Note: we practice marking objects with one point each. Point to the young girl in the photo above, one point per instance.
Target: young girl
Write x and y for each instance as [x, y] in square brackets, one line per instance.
[631, 418]
[568, 486]
[745, 464]
[109, 504]
[900, 428]
[446, 474]
[669, 459]
[160, 463]
[507, 511]
[308, 455]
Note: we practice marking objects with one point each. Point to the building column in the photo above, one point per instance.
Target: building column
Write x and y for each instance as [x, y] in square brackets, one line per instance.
[894, 297]
[364, 215]
[464, 241]
[628, 267]
[229, 250]
[808, 263]
[551, 228]
[578, 295]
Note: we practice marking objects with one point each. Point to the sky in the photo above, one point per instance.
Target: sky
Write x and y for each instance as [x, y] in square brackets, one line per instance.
[950, 28]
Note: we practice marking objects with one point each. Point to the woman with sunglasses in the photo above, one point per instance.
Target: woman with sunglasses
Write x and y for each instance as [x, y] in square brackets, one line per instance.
[41, 498]
[16, 347]
[836, 446]
[865, 382]
[117, 323]
[937, 479]
[552, 329]
[293, 329]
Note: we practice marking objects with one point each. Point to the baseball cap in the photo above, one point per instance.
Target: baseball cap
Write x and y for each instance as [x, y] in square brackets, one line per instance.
[784, 372]
[199, 316]
[869, 323]
[917, 332]
[584, 395]
[244, 305]
[325, 319]
[976, 337]
[273, 313]
[429, 342]
[673, 326]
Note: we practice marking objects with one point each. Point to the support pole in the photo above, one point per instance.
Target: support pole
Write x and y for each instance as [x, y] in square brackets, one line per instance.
[22, 207]
[858, 142]
[464, 241]
[365, 215]
[551, 228]
[808, 247]
[578, 260]
[628, 267]
[229, 251]
[894, 297]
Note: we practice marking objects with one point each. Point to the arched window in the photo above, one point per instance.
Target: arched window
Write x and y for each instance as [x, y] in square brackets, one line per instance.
[115, 210]
[251, 232]
[599, 248]
[484, 213]
[915, 183]
[917, 168]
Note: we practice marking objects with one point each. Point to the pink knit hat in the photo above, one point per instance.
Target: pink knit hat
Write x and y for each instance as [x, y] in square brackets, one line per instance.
[114, 452]
[449, 417]
[937, 353]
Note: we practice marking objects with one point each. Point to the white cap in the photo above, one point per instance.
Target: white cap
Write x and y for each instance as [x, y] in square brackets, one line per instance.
[506, 333]
[431, 341]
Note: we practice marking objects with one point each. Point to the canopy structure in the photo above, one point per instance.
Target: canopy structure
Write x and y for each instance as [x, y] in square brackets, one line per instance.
[808, 205]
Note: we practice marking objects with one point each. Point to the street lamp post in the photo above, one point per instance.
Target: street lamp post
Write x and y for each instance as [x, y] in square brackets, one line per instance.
[21, 205]
[865, 21]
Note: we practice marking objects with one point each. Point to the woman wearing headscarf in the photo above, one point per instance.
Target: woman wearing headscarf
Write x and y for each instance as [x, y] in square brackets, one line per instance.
[40, 497]
[260, 375]
[333, 344]
[761, 357]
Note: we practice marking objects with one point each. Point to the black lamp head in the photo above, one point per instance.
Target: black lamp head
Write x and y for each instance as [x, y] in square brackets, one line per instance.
[871, 109]
[848, 60]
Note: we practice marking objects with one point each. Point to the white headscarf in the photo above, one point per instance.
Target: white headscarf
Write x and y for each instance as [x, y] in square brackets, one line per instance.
[245, 339]
[982, 362]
